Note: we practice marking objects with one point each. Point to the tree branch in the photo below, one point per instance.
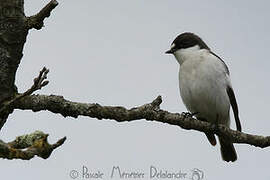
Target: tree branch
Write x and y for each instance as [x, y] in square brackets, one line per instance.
[37, 21]
[34, 144]
[150, 112]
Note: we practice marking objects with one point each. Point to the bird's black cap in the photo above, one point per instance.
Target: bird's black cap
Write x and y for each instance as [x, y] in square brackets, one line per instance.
[186, 40]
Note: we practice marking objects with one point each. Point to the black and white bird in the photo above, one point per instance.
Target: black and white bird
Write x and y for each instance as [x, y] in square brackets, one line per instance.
[205, 87]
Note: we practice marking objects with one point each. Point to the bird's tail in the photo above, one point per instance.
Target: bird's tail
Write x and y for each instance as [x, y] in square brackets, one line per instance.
[228, 152]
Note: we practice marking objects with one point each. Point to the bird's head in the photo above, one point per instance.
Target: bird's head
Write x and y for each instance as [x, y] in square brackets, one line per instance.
[186, 43]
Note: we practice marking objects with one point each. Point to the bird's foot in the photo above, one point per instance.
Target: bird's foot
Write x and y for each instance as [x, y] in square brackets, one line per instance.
[214, 127]
[189, 114]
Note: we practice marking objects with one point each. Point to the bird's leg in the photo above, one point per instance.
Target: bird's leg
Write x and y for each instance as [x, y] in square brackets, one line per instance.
[189, 114]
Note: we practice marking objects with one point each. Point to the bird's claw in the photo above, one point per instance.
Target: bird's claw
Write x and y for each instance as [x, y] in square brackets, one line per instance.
[188, 114]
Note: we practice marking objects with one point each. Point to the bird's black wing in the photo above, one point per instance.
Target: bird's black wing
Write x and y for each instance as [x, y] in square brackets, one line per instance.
[234, 107]
[231, 97]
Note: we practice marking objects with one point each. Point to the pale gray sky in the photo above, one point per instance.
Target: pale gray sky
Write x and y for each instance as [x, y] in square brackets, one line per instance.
[112, 53]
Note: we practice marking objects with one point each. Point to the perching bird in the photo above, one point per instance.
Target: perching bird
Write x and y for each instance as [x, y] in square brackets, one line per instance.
[205, 87]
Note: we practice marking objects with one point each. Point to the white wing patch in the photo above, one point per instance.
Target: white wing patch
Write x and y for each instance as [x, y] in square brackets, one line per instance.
[172, 46]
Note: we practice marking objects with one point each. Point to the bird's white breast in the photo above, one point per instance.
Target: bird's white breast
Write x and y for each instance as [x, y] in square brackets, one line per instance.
[203, 81]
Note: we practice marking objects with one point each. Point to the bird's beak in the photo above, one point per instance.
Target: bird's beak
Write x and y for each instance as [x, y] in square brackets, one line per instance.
[169, 52]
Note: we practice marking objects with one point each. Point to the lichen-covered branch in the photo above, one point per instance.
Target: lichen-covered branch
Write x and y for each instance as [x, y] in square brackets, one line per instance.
[37, 21]
[150, 112]
[27, 146]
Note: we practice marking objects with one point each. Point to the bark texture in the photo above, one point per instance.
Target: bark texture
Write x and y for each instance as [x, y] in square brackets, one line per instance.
[12, 38]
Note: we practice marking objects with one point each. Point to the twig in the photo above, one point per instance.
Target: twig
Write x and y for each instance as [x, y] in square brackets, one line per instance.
[39, 82]
[37, 21]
